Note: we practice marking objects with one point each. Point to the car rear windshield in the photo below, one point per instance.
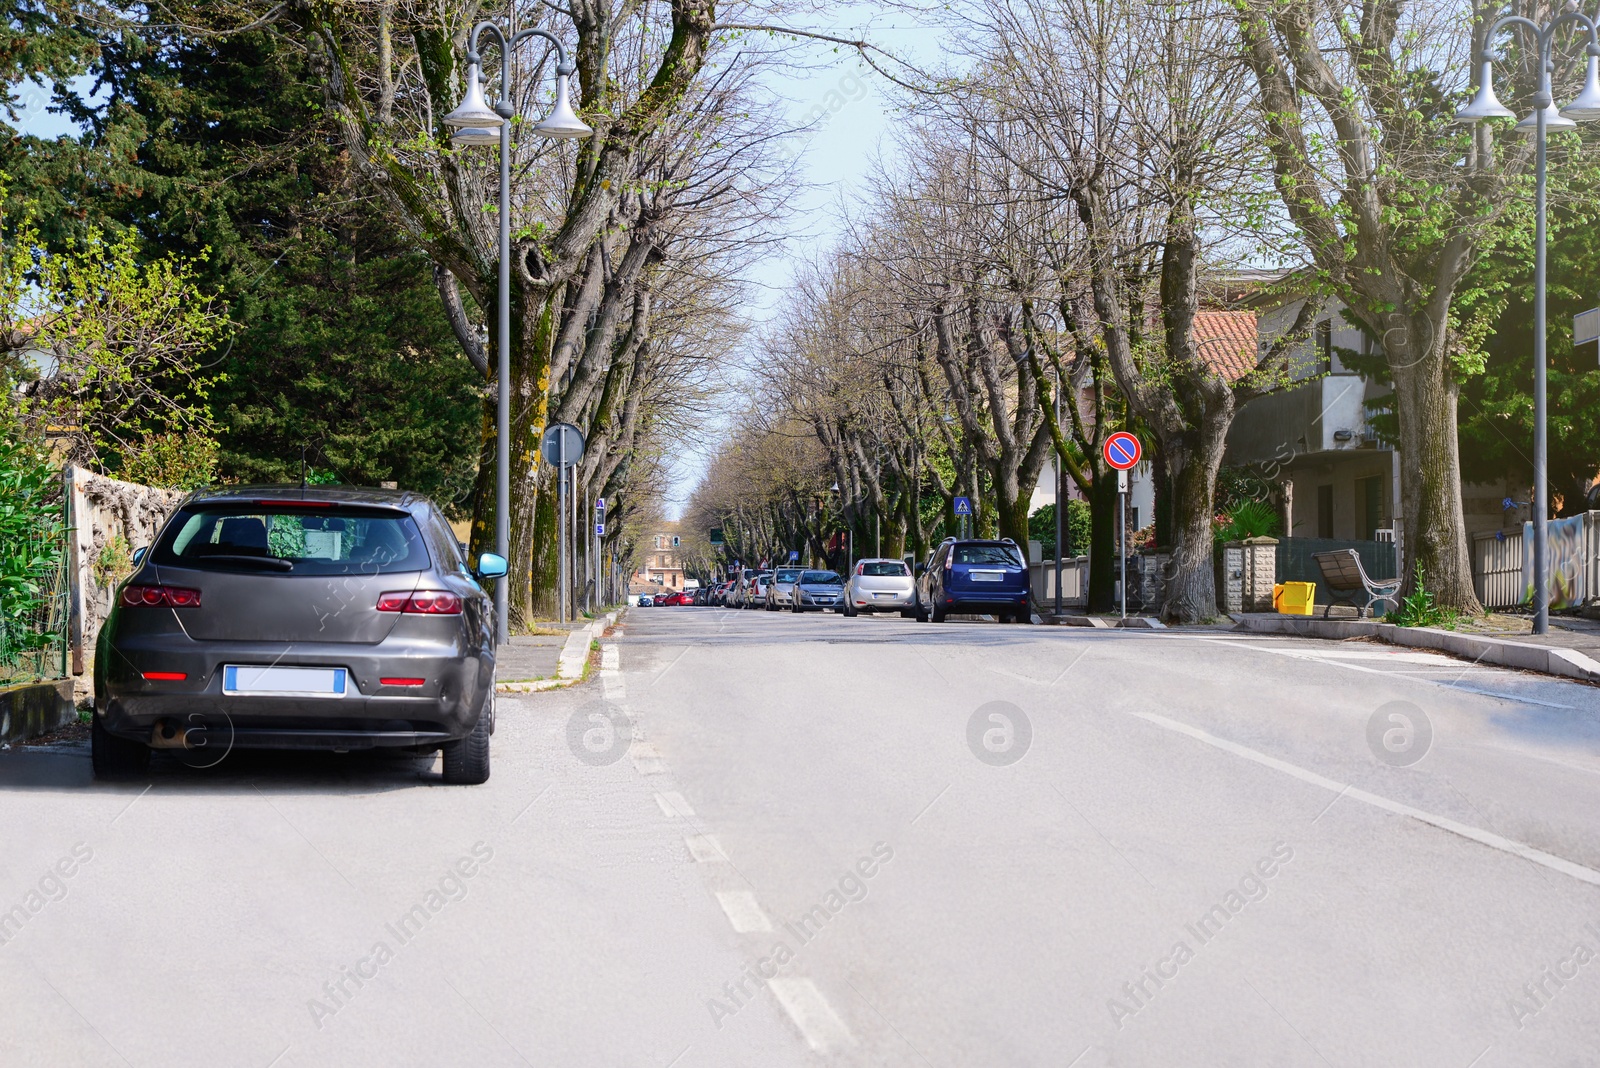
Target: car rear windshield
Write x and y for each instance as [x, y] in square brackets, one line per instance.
[987, 554]
[884, 570]
[820, 578]
[292, 539]
[788, 575]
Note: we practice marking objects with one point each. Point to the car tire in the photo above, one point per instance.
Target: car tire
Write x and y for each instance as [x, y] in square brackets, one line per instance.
[936, 613]
[848, 611]
[466, 760]
[116, 758]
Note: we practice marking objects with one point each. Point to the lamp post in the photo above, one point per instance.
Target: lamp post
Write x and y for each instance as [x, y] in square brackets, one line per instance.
[476, 123]
[1545, 117]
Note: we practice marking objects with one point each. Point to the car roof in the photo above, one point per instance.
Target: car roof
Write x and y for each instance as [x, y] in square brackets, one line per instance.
[362, 495]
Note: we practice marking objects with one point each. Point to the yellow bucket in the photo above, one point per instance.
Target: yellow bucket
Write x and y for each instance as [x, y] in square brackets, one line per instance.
[1294, 598]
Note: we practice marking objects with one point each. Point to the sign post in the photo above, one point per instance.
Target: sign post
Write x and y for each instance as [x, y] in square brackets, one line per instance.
[562, 447]
[1122, 451]
[963, 509]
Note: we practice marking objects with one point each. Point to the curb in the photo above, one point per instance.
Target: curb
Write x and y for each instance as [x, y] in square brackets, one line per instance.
[34, 708]
[1503, 652]
[574, 657]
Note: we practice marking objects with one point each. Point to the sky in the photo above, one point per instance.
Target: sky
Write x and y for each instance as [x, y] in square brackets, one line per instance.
[850, 117]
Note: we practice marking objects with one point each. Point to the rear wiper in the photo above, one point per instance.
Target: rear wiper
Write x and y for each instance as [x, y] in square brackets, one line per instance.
[271, 563]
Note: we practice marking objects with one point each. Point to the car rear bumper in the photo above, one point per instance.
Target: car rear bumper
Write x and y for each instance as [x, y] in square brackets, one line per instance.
[444, 707]
[868, 601]
[986, 603]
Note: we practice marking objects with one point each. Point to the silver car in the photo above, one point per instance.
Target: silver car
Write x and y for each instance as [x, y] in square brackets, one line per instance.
[881, 585]
[818, 590]
[780, 591]
[282, 617]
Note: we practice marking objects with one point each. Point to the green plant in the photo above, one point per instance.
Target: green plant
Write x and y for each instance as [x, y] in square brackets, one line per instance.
[30, 540]
[184, 461]
[1248, 519]
[1419, 608]
[114, 563]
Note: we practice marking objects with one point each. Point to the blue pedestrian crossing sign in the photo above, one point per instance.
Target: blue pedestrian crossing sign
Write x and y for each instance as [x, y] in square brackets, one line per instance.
[963, 506]
[794, 556]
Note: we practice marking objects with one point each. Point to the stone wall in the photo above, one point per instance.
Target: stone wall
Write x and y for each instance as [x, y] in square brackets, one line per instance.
[110, 521]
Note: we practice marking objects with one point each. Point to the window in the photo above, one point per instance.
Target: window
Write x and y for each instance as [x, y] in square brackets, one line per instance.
[881, 569]
[1324, 511]
[1325, 346]
[987, 554]
[292, 539]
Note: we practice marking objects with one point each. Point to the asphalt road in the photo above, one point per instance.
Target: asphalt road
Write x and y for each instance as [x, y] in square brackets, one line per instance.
[761, 839]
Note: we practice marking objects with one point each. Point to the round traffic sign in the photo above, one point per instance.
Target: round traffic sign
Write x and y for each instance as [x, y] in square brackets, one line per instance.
[562, 445]
[1122, 450]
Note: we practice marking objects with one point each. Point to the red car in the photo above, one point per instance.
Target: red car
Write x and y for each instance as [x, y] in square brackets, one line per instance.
[663, 599]
[680, 599]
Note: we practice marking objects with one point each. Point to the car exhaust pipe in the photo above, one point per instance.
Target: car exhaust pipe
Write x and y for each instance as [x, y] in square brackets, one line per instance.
[168, 734]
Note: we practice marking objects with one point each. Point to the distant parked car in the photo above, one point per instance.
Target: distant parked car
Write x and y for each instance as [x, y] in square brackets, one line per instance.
[680, 599]
[699, 596]
[974, 576]
[290, 617]
[755, 589]
[646, 600]
[780, 591]
[881, 585]
[661, 599]
[819, 590]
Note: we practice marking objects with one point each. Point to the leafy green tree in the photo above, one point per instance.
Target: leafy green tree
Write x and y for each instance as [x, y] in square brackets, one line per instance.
[1497, 406]
[122, 336]
[343, 354]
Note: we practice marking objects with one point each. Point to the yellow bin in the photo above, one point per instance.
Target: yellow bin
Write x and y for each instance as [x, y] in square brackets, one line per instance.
[1294, 598]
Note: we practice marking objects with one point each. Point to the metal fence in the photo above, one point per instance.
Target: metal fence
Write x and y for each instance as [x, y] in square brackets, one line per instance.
[33, 625]
[1295, 563]
[1497, 568]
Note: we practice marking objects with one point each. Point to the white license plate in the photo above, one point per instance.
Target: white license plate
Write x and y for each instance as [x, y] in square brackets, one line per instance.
[284, 681]
[883, 595]
[985, 576]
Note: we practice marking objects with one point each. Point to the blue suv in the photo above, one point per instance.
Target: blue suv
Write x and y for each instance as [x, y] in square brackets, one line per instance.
[981, 577]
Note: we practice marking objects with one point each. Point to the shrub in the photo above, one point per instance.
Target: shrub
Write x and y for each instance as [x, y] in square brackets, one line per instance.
[1419, 609]
[1248, 519]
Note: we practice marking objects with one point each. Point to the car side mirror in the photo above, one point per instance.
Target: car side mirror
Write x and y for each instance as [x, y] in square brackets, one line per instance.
[491, 566]
[922, 569]
[138, 554]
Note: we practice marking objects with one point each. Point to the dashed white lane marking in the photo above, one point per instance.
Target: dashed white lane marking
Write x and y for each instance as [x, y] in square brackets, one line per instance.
[610, 658]
[743, 911]
[705, 849]
[674, 805]
[1493, 841]
[811, 1013]
[646, 760]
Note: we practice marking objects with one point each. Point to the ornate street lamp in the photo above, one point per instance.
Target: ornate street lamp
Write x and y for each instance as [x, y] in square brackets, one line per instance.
[479, 124]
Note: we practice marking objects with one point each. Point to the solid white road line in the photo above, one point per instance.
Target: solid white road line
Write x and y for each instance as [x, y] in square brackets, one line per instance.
[705, 849]
[811, 1013]
[1493, 841]
[743, 911]
[674, 805]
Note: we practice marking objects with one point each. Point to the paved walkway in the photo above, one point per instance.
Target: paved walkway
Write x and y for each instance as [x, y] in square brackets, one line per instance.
[532, 656]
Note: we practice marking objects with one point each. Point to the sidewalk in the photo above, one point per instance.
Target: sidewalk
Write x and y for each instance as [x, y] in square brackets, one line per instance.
[1571, 649]
[531, 662]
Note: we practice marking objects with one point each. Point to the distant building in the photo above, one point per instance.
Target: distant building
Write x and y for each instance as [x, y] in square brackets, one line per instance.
[661, 564]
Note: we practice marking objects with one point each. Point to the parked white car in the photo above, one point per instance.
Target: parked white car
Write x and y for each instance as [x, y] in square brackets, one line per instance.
[881, 585]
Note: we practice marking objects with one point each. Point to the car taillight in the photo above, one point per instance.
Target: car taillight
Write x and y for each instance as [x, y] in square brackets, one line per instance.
[421, 603]
[160, 597]
[401, 682]
[949, 561]
[166, 676]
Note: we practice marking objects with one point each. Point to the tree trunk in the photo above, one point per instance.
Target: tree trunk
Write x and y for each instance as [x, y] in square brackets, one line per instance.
[1191, 577]
[1103, 543]
[1433, 529]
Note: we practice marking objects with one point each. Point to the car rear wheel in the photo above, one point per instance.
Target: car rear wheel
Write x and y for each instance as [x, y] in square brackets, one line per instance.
[937, 613]
[116, 758]
[466, 761]
[848, 610]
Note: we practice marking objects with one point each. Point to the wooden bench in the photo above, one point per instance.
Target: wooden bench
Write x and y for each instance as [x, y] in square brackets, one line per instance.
[1347, 581]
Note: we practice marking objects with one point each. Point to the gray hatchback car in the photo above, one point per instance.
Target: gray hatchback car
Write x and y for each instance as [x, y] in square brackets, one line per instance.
[282, 617]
